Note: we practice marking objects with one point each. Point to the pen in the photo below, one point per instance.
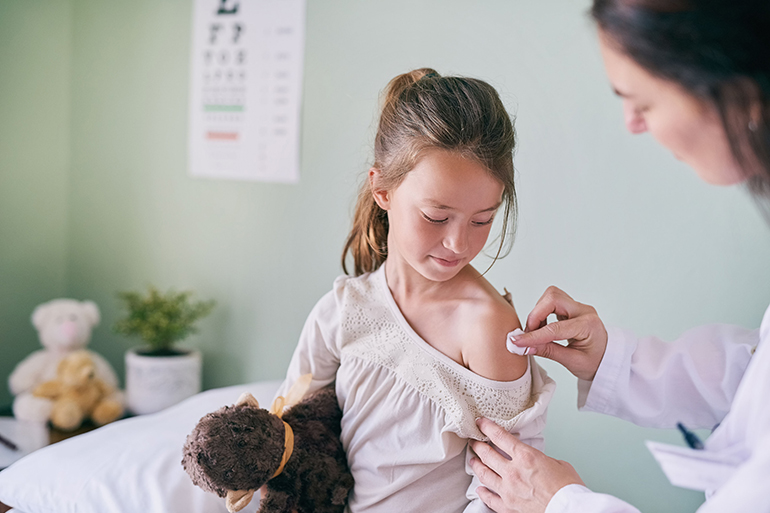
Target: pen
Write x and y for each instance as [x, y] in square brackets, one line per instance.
[691, 438]
[12, 446]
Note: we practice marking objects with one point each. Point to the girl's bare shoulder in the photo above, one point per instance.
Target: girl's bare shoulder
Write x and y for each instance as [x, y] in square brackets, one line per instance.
[485, 320]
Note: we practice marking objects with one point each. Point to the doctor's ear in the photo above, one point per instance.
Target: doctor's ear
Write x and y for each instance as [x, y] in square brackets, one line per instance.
[381, 196]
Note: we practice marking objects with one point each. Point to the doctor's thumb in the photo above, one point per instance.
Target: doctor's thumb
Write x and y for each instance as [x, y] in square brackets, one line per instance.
[556, 352]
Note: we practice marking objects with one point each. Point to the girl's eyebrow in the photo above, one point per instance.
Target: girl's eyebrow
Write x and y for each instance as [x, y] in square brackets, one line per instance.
[439, 206]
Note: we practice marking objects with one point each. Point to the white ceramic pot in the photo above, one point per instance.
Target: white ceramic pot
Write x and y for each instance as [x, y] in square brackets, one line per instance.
[157, 382]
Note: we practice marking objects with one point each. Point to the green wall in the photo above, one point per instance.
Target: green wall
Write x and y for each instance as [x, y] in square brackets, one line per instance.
[107, 204]
[35, 68]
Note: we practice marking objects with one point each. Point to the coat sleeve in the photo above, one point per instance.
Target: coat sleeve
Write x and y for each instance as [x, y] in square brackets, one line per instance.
[653, 383]
[317, 351]
[579, 499]
[745, 491]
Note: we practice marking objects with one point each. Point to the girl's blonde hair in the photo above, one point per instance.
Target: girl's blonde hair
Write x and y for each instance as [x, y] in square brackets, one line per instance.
[423, 110]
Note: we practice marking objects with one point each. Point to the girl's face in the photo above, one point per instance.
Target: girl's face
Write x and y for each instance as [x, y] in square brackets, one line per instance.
[689, 127]
[441, 213]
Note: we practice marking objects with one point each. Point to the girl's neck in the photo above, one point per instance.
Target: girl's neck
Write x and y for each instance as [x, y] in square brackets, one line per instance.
[406, 284]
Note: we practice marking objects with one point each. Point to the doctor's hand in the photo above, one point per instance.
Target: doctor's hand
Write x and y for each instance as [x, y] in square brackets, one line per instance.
[577, 323]
[525, 483]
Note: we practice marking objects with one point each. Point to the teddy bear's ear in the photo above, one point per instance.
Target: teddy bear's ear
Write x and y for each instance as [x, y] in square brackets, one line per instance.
[40, 314]
[91, 311]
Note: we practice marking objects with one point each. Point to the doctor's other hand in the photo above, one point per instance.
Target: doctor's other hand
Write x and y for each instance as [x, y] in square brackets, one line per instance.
[576, 323]
[525, 483]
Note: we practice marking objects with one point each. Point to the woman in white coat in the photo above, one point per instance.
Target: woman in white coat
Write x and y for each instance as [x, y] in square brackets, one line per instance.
[696, 75]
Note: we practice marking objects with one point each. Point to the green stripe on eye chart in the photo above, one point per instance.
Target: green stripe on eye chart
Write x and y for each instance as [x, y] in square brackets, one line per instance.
[223, 108]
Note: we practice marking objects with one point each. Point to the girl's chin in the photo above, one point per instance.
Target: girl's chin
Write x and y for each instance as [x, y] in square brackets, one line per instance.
[433, 269]
[438, 271]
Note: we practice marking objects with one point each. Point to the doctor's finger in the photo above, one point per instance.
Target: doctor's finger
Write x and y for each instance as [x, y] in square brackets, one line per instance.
[486, 475]
[587, 339]
[553, 301]
[491, 499]
[504, 440]
[569, 329]
[491, 459]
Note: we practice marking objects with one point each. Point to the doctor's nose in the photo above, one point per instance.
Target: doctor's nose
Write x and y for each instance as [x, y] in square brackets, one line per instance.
[635, 122]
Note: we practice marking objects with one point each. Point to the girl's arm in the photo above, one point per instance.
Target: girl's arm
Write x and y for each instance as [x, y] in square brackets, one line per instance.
[492, 360]
[317, 351]
[485, 352]
[526, 428]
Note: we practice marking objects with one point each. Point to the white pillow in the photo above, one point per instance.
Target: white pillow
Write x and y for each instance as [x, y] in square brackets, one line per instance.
[133, 465]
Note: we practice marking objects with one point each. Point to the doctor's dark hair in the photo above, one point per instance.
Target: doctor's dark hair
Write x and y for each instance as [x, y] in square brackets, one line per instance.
[718, 51]
[422, 110]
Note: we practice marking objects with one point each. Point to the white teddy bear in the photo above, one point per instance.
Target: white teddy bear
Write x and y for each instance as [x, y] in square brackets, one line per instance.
[63, 326]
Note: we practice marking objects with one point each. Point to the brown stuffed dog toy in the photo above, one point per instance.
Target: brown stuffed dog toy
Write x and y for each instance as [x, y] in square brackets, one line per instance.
[294, 450]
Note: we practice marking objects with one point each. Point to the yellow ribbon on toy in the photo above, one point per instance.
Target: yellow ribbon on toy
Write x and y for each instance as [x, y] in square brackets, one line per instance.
[295, 395]
[288, 448]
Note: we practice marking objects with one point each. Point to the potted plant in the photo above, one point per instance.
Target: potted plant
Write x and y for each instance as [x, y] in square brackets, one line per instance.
[158, 374]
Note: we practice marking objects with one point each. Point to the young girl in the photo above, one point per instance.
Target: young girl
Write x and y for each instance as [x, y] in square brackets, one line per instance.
[416, 340]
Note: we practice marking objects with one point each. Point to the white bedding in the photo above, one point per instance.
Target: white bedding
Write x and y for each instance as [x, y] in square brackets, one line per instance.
[133, 465]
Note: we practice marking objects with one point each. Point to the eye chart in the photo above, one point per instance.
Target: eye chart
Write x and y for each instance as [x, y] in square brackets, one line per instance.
[246, 87]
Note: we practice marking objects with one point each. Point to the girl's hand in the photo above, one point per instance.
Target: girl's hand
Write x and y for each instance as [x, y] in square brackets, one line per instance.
[577, 323]
[525, 483]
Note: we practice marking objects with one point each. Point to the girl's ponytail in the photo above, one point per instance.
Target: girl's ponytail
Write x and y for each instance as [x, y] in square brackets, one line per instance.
[400, 83]
[368, 238]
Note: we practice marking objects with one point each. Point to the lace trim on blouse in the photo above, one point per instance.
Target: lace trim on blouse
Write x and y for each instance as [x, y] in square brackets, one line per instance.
[374, 330]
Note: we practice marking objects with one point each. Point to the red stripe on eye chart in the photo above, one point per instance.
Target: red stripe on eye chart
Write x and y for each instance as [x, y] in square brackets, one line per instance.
[222, 136]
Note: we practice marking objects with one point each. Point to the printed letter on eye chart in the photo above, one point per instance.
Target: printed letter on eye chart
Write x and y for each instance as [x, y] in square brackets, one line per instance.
[245, 89]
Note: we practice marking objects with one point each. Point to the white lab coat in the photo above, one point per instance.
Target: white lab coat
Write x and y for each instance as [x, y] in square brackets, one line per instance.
[707, 377]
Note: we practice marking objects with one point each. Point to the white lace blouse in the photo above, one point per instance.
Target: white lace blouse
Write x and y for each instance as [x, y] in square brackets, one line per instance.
[407, 408]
